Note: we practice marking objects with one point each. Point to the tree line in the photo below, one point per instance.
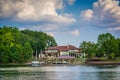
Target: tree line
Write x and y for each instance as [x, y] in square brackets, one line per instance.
[107, 47]
[19, 46]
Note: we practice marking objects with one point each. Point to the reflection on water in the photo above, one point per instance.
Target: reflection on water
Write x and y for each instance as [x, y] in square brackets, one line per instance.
[80, 72]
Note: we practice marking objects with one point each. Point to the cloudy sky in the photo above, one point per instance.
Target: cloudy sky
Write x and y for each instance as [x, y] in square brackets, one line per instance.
[68, 21]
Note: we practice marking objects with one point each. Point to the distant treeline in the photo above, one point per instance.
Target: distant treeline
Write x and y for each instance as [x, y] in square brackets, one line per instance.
[18, 46]
[106, 48]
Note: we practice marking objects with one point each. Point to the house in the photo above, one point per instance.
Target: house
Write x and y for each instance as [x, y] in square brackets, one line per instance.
[60, 51]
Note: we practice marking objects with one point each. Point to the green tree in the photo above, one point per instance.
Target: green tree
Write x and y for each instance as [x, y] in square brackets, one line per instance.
[111, 56]
[16, 55]
[107, 44]
[6, 37]
[18, 46]
[118, 42]
[39, 40]
[89, 48]
[27, 51]
[4, 54]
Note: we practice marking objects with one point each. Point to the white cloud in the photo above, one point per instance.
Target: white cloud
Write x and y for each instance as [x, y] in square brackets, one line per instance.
[50, 27]
[87, 15]
[21, 28]
[38, 10]
[114, 29]
[50, 33]
[42, 14]
[105, 13]
[44, 27]
[9, 8]
[75, 32]
[31, 10]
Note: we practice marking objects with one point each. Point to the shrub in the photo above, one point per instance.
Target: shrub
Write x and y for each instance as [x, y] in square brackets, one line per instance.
[111, 56]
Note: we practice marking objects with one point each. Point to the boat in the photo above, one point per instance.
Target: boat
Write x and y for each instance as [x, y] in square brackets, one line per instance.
[35, 63]
[41, 62]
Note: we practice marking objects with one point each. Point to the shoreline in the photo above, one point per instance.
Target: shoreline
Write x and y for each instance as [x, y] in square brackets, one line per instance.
[103, 63]
[82, 63]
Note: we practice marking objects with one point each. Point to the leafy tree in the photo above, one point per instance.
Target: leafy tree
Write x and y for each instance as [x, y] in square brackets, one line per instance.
[111, 56]
[16, 53]
[118, 42]
[18, 46]
[27, 51]
[107, 44]
[39, 40]
[4, 54]
[89, 48]
[6, 37]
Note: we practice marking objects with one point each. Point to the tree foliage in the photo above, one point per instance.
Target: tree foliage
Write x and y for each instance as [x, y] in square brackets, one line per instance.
[18, 46]
[89, 48]
[107, 46]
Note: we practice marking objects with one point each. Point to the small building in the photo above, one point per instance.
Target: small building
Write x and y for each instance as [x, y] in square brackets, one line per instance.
[59, 51]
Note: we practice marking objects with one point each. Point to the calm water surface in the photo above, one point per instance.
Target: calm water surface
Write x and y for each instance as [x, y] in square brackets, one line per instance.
[79, 72]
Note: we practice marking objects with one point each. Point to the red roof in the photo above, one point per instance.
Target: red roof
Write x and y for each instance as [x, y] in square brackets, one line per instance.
[63, 48]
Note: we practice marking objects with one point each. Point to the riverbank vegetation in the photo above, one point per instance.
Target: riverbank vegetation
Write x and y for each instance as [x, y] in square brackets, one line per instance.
[106, 48]
[18, 46]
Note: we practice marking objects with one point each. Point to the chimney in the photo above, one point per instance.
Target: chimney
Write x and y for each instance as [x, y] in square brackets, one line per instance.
[68, 45]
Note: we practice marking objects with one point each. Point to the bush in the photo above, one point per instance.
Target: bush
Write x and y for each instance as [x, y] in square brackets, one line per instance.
[117, 59]
[111, 56]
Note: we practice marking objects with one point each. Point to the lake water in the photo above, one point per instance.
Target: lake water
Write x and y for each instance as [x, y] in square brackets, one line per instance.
[79, 72]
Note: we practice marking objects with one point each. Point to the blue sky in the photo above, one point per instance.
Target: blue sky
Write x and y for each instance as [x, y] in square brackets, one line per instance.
[68, 21]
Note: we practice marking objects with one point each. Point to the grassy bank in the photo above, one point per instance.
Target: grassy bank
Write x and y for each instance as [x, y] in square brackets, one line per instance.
[15, 65]
[77, 61]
